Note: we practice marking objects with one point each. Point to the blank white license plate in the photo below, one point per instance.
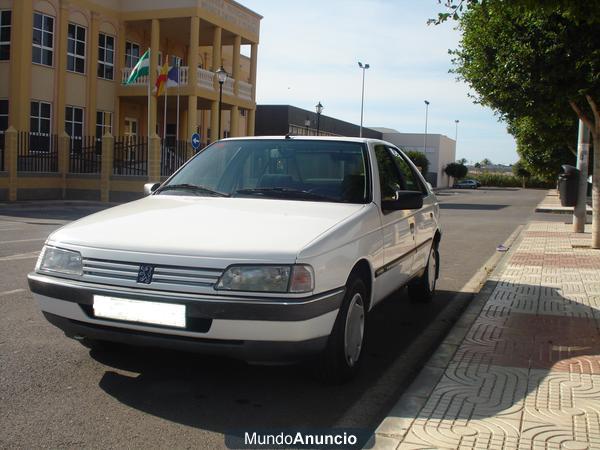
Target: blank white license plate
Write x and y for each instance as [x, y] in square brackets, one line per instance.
[139, 311]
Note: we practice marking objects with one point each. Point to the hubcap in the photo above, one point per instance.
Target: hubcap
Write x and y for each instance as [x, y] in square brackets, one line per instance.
[431, 270]
[355, 327]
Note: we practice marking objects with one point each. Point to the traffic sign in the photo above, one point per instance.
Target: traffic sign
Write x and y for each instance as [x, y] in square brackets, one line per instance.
[195, 141]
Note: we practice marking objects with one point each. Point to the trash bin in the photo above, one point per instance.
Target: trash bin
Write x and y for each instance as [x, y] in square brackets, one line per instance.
[568, 185]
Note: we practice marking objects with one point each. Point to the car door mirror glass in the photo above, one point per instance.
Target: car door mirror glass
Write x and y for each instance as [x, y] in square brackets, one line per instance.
[405, 200]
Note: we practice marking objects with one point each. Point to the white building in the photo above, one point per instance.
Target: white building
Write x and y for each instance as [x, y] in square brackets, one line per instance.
[440, 151]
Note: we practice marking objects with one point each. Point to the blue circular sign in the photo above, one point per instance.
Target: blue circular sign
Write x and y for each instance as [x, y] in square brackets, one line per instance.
[195, 141]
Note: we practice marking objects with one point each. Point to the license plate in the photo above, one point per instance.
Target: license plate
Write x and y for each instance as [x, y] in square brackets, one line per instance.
[155, 313]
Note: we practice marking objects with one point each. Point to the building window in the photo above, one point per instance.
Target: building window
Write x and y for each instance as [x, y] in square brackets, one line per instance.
[76, 48]
[40, 124]
[106, 56]
[132, 54]
[176, 61]
[3, 115]
[5, 21]
[74, 122]
[103, 123]
[43, 39]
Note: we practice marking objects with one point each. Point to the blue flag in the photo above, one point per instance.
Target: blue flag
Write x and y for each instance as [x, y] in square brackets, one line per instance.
[173, 77]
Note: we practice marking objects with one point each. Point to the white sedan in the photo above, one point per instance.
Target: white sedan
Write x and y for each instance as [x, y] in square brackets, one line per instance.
[266, 249]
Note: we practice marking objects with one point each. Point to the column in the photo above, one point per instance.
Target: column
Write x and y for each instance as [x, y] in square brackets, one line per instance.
[10, 159]
[214, 121]
[119, 64]
[20, 65]
[154, 48]
[106, 169]
[235, 121]
[250, 120]
[216, 54]
[192, 113]
[92, 71]
[61, 66]
[253, 60]
[237, 42]
[64, 142]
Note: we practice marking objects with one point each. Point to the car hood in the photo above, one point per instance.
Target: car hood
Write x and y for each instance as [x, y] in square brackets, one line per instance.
[213, 227]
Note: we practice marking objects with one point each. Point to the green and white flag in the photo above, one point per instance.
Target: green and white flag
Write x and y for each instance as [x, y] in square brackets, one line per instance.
[142, 68]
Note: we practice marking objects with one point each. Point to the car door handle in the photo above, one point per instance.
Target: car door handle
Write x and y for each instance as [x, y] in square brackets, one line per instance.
[412, 227]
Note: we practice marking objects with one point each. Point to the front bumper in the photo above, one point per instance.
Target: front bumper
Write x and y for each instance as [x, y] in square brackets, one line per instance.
[257, 329]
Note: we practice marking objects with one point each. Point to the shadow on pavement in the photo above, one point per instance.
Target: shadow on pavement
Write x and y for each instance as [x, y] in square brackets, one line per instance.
[218, 394]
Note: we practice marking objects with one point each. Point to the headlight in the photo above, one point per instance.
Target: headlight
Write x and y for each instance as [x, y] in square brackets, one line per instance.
[295, 278]
[59, 260]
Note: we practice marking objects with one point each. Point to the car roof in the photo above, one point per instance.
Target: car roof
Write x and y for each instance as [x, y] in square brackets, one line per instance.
[310, 138]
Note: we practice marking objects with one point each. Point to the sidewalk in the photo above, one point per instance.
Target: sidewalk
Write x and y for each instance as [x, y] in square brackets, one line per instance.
[521, 368]
[551, 204]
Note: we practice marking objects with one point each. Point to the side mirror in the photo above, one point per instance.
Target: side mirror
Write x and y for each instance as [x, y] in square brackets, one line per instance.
[405, 200]
[149, 188]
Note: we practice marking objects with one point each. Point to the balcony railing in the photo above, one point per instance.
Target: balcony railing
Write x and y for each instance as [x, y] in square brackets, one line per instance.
[244, 90]
[205, 80]
[228, 86]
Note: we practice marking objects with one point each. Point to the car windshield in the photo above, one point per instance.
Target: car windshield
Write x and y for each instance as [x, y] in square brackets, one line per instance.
[311, 170]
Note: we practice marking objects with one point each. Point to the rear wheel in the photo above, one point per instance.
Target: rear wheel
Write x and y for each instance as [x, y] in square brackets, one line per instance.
[341, 359]
[422, 289]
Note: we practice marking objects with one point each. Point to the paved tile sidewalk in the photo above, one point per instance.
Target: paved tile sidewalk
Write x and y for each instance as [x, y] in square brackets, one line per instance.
[527, 373]
[551, 204]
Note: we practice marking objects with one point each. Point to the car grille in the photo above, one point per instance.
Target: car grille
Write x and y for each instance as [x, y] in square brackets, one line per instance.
[173, 278]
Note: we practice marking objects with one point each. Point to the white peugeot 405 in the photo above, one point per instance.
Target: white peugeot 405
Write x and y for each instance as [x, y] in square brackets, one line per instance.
[266, 249]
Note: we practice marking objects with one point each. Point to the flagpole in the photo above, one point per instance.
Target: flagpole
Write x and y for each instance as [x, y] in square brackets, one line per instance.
[178, 79]
[149, 78]
[165, 113]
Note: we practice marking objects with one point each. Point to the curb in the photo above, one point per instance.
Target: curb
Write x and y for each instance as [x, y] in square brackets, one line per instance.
[394, 427]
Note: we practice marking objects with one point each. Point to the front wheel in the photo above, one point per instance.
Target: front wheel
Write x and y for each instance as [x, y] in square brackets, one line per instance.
[422, 289]
[342, 358]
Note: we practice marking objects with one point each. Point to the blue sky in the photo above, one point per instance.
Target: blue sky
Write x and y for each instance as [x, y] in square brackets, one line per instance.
[309, 51]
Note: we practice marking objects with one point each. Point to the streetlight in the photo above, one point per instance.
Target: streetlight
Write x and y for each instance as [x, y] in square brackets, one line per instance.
[362, 101]
[319, 109]
[426, 112]
[456, 133]
[221, 76]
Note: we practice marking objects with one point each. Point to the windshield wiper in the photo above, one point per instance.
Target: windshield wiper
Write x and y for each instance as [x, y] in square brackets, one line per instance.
[280, 192]
[192, 187]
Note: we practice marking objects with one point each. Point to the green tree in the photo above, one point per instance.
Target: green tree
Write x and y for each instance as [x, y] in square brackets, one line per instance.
[456, 170]
[542, 63]
[521, 171]
[544, 148]
[419, 159]
[462, 161]
[485, 162]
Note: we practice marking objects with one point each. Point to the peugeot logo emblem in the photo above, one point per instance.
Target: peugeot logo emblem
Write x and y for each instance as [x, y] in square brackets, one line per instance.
[145, 274]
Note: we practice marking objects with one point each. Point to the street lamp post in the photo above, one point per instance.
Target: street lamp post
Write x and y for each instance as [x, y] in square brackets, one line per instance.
[456, 133]
[362, 101]
[319, 110]
[426, 113]
[221, 77]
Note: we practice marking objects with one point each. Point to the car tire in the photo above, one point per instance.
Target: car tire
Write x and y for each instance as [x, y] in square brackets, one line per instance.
[422, 288]
[342, 358]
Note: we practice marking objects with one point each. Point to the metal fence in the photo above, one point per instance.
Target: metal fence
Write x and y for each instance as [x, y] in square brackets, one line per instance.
[131, 156]
[37, 152]
[85, 154]
[173, 155]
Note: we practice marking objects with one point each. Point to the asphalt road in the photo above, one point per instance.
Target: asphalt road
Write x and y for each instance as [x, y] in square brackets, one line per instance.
[55, 393]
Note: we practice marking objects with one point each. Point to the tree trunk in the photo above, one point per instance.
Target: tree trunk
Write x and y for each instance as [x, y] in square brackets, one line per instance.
[596, 188]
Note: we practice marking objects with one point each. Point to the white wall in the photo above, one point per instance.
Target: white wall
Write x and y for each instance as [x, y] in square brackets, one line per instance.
[440, 150]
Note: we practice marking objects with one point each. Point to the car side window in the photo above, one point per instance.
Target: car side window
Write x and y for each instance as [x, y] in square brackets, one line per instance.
[389, 178]
[411, 181]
